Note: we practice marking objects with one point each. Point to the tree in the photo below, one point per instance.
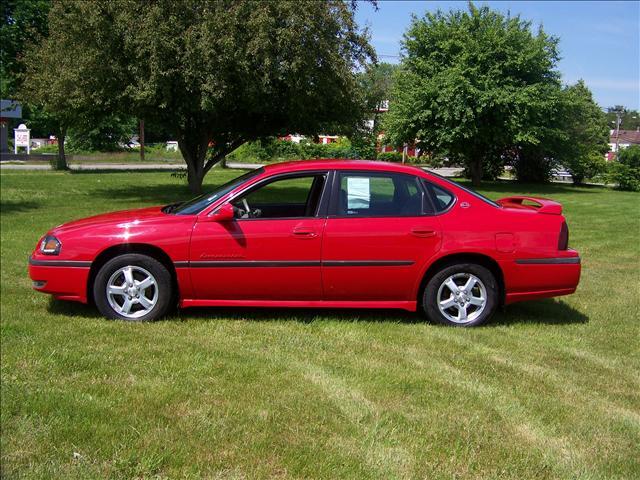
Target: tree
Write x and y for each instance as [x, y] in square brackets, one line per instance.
[586, 134]
[106, 135]
[217, 73]
[626, 170]
[376, 83]
[55, 86]
[472, 85]
[22, 21]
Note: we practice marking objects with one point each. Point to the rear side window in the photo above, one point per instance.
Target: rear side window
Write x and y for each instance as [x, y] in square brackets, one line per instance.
[442, 199]
[378, 195]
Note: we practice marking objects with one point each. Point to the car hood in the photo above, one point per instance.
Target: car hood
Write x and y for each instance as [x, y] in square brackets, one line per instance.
[114, 218]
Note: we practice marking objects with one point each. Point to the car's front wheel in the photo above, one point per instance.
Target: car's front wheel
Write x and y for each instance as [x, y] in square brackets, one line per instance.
[463, 295]
[133, 287]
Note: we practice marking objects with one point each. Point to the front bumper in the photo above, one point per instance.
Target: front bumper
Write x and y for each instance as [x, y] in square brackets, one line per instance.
[64, 279]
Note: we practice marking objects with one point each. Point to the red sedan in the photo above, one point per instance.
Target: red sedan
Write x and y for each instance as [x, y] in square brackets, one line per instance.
[327, 233]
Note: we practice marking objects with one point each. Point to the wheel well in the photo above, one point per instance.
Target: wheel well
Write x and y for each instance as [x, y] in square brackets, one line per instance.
[140, 248]
[477, 258]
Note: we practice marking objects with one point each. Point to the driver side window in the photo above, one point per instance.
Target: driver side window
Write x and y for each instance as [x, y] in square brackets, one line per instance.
[288, 197]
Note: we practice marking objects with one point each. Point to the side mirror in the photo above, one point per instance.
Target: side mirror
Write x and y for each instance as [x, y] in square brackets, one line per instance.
[222, 214]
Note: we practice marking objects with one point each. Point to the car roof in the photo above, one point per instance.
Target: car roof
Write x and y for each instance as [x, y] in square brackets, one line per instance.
[342, 164]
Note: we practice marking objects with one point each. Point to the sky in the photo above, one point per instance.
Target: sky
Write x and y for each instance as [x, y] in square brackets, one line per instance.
[599, 40]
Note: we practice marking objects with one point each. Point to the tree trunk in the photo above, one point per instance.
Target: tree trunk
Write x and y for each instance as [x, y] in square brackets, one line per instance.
[61, 159]
[194, 148]
[142, 140]
[194, 156]
[476, 171]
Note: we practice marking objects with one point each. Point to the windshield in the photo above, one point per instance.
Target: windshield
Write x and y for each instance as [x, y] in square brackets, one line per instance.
[196, 205]
[468, 190]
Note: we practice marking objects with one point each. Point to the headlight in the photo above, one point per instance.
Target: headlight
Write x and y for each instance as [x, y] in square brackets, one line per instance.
[50, 245]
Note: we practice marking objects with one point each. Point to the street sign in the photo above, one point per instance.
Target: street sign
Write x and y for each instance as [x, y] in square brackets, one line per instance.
[22, 138]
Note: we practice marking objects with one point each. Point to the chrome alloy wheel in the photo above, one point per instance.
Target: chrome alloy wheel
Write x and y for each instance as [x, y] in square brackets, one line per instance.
[462, 298]
[132, 291]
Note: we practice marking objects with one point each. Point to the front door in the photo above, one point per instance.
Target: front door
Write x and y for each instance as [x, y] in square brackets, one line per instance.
[378, 236]
[270, 251]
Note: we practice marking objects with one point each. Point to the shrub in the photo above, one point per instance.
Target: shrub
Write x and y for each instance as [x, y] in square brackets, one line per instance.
[390, 156]
[46, 149]
[625, 177]
[589, 166]
[430, 161]
[250, 152]
[626, 171]
[274, 150]
[630, 156]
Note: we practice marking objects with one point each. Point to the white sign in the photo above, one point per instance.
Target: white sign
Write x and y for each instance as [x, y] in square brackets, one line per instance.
[21, 138]
[358, 193]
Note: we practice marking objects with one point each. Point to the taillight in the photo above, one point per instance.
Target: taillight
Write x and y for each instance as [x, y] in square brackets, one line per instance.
[563, 241]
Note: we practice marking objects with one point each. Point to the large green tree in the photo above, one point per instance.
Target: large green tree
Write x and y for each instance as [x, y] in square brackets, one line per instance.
[473, 84]
[55, 83]
[585, 133]
[376, 83]
[22, 21]
[217, 73]
[572, 134]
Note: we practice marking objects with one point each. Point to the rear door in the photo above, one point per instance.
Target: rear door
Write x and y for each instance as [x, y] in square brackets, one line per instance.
[379, 233]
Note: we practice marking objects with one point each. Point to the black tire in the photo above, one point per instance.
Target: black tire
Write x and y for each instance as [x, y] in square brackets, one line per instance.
[462, 271]
[140, 263]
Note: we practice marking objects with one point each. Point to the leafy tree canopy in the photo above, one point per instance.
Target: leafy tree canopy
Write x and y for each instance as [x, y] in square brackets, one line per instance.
[215, 72]
[626, 171]
[473, 84]
[630, 156]
[56, 80]
[22, 21]
[585, 133]
[377, 82]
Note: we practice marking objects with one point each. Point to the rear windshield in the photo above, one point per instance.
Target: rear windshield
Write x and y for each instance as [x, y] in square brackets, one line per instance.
[468, 190]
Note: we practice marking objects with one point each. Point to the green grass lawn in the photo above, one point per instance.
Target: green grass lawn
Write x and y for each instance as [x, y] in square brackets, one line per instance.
[550, 389]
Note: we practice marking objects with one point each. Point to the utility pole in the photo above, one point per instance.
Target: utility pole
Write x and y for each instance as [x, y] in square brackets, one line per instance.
[141, 140]
[618, 121]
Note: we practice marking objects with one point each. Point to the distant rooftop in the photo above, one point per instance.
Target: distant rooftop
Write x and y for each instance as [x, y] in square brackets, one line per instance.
[626, 136]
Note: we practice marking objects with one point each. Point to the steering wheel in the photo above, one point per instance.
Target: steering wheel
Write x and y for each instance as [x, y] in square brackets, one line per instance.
[246, 211]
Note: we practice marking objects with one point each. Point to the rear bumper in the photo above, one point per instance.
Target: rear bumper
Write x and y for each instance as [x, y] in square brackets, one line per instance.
[535, 278]
[65, 280]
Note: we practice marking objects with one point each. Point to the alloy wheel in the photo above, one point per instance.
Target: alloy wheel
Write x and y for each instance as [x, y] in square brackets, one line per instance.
[132, 291]
[462, 298]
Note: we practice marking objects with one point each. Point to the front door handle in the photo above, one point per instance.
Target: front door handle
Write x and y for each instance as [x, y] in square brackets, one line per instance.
[423, 232]
[302, 232]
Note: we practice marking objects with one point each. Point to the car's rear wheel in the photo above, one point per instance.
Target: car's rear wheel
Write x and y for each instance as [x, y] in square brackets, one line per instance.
[133, 287]
[462, 295]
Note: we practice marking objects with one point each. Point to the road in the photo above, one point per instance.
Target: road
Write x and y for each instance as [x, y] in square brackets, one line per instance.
[445, 172]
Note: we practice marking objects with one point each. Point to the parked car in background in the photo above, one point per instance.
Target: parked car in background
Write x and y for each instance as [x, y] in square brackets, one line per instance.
[324, 233]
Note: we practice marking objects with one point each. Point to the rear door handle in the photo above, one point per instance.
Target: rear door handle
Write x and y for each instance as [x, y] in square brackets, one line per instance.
[423, 232]
[304, 232]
